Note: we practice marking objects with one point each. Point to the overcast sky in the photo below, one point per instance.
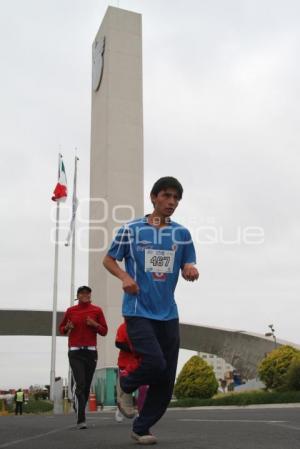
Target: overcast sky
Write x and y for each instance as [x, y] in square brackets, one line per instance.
[221, 112]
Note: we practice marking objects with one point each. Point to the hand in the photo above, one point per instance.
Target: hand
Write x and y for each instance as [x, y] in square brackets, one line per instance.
[69, 326]
[129, 285]
[92, 323]
[190, 272]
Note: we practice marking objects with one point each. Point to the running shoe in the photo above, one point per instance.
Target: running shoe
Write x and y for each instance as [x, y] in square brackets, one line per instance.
[145, 439]
[125, 402]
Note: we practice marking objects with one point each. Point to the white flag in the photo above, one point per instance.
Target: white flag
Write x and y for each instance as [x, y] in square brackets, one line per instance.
[74, 206]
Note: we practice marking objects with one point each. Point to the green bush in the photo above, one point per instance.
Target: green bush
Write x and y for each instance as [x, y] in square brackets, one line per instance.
[196, 380]
[293, 375]
[41, 406]
[245, 398]
[274, 368]
[40, 394]
[33, 406]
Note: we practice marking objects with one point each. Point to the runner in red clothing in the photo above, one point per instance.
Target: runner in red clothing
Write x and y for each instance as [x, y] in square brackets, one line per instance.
[82, 323]
[128, 362]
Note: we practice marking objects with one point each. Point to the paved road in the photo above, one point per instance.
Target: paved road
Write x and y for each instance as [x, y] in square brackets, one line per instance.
[183, 429]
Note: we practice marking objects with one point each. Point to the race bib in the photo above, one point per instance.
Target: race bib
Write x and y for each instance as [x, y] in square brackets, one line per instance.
[159, 261]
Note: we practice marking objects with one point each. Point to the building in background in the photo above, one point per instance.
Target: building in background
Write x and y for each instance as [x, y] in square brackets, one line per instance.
[222, 369]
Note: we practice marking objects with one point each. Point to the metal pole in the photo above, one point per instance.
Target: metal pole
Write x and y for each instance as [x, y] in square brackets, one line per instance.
[54, 310]
[72, 292]
[275, 341]
[73, 268]
[74, 237]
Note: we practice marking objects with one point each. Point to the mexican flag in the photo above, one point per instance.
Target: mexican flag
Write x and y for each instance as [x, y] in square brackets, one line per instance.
[60, 192]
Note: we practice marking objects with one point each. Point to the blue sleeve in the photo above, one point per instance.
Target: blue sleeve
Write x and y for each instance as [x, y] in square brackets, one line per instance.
[188, 253]
[120, 247]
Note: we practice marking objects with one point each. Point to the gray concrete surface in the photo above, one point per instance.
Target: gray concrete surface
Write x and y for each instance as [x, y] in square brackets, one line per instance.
[274, 428]
[116, 162]
[243, 350]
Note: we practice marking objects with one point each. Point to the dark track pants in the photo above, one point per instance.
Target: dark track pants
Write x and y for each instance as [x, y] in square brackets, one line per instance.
[19, 408]
[83, 364]
[158, 344]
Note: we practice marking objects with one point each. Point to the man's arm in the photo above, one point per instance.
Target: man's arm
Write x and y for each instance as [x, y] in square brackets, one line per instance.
[66, 324]
[128, 284]
[102, 328]
[99, 325]
[190, 272]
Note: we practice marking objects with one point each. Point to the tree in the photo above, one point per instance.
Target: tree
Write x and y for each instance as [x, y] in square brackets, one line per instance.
[196, 380]
[274, 367]
[293, 375]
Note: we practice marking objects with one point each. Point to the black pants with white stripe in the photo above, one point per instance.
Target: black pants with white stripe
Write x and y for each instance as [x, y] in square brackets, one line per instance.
[83, 364]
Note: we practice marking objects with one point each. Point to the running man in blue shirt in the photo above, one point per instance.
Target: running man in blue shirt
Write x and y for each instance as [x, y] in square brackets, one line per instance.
[155, 250]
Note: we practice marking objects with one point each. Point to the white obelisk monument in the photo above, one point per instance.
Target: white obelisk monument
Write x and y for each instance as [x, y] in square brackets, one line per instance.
[116, 176]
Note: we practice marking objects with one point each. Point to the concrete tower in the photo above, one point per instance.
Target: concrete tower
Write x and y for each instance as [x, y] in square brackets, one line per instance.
[116, 175]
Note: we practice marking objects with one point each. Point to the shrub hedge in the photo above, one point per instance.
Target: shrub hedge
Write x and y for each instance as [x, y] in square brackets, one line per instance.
[196, 379]
[245, 398]
[33, 406]
[275, 366]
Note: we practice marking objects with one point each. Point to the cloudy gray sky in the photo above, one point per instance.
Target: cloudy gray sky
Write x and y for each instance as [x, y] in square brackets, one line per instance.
[221, 110]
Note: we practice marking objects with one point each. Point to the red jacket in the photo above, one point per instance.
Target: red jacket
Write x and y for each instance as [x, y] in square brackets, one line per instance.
[82, 334]
[127, 359]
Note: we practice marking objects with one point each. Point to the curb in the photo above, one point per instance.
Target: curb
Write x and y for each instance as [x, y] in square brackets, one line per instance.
[238, 407]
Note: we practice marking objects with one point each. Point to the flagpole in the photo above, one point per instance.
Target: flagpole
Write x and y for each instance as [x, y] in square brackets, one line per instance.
[72, 235]
[54, 310]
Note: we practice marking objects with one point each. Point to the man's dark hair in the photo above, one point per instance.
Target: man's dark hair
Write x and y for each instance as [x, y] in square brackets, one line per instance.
[167, 182]
[84, 288]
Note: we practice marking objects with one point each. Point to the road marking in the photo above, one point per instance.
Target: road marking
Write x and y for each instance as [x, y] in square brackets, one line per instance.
[286, 426]
[95, 418]
[40, 435]
[231, 420]
[34, 437]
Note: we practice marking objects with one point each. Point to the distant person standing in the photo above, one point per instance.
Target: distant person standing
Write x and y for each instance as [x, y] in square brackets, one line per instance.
[223, 384]
[19, 400]
[82, 323]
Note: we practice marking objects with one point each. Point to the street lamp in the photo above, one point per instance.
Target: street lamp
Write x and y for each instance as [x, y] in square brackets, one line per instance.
[272, 334]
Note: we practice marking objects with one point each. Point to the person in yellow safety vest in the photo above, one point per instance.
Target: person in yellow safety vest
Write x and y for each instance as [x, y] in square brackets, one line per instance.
[19, 399]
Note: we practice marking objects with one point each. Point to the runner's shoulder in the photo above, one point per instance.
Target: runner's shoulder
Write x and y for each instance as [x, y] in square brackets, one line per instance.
[72, 308]
[95, 308]
[136, 222]
[183, 231]
[76, 307]
[129, 226]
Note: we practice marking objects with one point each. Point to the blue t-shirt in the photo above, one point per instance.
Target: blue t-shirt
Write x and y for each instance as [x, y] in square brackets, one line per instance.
[153, 258]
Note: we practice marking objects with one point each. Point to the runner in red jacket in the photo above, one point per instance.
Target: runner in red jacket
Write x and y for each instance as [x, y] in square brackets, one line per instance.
[128, 362]
[82, 323]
